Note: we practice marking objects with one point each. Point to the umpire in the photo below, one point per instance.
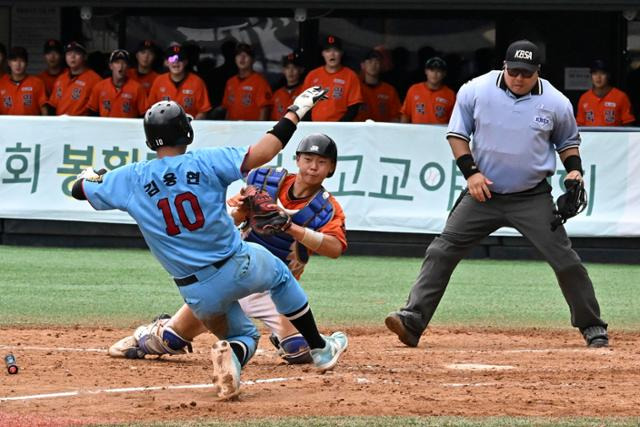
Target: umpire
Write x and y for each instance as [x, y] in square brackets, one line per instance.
[517, 120]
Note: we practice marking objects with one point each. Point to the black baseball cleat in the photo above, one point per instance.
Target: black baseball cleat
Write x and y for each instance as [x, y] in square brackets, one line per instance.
[395, 324]
[596, 336]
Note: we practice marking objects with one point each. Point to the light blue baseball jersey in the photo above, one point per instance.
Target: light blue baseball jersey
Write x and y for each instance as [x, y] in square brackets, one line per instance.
[513, 137]
[179, 205]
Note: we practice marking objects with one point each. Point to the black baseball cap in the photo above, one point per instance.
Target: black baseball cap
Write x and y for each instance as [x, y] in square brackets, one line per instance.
[435, 63]
[599, 65]
[119, 54]
[523, 54]
[176, 52]
[330, 42]
[294, 58]
[146, 45]
[53, 45]
[246, 48]
[76, 47]
[18, 52]
[373, 54]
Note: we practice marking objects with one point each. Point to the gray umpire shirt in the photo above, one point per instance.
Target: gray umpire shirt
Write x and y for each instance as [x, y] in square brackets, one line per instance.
[513, 138]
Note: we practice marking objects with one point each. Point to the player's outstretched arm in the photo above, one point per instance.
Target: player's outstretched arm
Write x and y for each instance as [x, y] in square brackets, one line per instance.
[319, 242]
[277, 138]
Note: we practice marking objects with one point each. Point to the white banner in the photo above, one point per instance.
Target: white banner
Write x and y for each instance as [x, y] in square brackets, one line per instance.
[390, 177]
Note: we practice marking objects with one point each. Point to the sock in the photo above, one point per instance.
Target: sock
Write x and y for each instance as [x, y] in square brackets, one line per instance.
[304, 322]
[239, 350]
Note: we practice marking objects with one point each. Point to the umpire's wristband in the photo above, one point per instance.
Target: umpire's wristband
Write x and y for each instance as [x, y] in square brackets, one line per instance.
[283, 130]
[467, 165]
[573, 163]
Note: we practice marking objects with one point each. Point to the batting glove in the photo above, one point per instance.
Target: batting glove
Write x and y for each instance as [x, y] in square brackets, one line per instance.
[306, 100]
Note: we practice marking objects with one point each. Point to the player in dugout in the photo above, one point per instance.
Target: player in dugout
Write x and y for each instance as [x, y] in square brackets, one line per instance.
[180, 85]
[118, 95]
[21, 93]
[318, 227]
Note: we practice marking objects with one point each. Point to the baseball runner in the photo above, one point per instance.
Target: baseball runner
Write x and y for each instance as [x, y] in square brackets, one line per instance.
[517, 120]
[318, 226]
[178, 201]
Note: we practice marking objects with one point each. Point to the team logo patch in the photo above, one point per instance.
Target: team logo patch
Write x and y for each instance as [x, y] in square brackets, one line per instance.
[27, 99]
[420, 108]
[188, 102]
[337, 92]
[440, 111]
[106, 105]
[126, 107]
[75, 93]
[523, 54]
[7, 101]
[610, 116]
[246, 99]
[590, 116]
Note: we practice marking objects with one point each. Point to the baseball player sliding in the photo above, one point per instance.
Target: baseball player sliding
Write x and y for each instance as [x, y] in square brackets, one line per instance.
[178, 202]
[318, 226]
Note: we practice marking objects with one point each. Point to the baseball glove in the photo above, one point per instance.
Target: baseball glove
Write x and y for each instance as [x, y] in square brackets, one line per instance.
[265, 217]
[570, 203]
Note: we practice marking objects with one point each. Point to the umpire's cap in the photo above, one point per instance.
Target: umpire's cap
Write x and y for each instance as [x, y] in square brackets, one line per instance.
[320, 144]
[166, 124]
[523, 55]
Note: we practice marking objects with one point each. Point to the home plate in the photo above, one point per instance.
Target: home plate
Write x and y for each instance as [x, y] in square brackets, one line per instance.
[479, 367]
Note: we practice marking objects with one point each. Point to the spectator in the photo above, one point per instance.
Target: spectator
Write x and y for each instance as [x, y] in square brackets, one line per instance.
[20, 93]
[180, 85]
[603, 105]
[53, 57]
[429, 102]
[381, 101]
[71, 91]
[118, 95]
[345, 93]
[247, 95]
[292, 70]
[145, 57]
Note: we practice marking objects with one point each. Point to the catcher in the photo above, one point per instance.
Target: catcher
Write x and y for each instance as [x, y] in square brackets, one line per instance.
[292, 216]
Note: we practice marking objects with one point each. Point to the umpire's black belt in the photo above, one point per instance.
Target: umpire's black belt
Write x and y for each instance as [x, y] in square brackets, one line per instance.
[190, 280]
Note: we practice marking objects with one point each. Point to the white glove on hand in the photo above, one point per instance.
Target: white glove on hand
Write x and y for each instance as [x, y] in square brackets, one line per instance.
[90, 175]
[306, 100]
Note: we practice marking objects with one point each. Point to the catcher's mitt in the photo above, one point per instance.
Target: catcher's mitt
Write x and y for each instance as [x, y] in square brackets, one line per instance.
[570, 203]
[265, 217]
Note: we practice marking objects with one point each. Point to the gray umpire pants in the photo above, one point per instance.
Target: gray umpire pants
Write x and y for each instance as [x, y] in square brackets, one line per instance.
[529, 212]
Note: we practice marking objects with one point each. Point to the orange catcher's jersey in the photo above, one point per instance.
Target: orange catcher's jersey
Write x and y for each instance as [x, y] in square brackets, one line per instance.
[191, 93]
[244, 98]
[129, 101]
[344, 91]
[613, 109]
[49, 80]
[145, 80]
[282, 99]
[24, 98]
[425, 106]
[381, 103]
[71, 93]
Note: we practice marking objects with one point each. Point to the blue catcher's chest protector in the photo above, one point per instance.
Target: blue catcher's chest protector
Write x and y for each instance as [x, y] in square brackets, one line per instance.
[317, 212]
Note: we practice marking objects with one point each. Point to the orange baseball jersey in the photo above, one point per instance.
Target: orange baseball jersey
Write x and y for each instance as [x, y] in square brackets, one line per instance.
[49, 80]
[24, 98]
[71, 93]
[614, 109]
[146, 80]
[129, 101]
[423, 105]
[344, 91]
[381, 103]
[282, 99]
[191, 93]
[244, 98]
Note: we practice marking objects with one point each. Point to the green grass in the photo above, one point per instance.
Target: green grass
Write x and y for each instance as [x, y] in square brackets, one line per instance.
[121, 287]
[410, 422]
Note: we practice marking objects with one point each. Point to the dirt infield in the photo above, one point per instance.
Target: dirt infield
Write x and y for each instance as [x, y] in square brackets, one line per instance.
[453, 372]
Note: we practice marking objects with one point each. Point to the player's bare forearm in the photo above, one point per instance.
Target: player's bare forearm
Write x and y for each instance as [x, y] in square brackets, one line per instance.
[330, 246]
[266, 149]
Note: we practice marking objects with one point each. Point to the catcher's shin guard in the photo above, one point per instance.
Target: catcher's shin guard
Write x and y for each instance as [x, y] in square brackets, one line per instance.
[293, 349]
[155, 338]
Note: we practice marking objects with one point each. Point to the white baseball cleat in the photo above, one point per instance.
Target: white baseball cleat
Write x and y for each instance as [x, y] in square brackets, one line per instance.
[226, 371]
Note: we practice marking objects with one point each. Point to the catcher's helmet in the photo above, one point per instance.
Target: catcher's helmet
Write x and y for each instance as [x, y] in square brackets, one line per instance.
[320, 144]
[166, 124]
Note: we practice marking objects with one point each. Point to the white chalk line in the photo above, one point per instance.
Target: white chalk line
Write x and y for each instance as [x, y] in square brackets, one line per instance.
[146, 389]
[259, 352]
